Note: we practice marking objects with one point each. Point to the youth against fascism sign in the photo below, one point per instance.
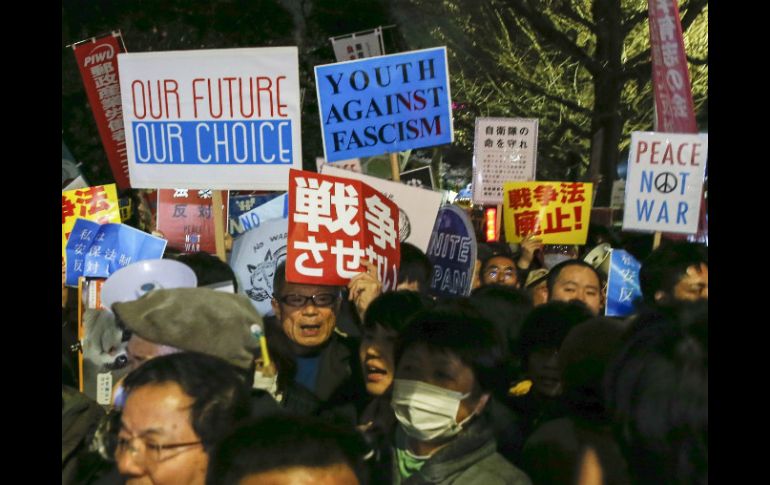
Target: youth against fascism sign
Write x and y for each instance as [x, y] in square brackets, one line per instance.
[384, 104]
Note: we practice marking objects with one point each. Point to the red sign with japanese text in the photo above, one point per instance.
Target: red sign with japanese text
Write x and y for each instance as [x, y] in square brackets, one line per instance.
[98, 63]
[334, 224]
[185, 218]
[670, 78]
[557, 212]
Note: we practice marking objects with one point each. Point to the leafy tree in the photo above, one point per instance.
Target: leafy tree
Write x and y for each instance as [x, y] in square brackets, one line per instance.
[583, 67]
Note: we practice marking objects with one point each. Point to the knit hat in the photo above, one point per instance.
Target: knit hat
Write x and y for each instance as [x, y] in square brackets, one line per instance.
[195, 319]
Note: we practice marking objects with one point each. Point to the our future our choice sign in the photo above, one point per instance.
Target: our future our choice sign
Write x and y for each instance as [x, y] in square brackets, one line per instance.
[384, 104]
[212, 119]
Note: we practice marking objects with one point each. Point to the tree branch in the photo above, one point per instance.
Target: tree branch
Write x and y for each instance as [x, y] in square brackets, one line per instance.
[534, 88]
[698, 62]
[694, 8]
[634, 20]
[547, 29]
[565, 8]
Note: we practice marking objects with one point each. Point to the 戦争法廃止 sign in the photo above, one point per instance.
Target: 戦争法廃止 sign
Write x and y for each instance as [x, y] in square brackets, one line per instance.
[212, 119]
[334, 224]
[384, 104]
[556, 212]
[665, 180]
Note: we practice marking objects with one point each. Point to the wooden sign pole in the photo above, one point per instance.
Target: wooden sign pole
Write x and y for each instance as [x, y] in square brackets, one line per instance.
[219, 224]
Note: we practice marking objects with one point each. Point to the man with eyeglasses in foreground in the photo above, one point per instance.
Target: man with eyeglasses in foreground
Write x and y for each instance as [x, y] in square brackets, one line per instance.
[316, 362]
[177, 407]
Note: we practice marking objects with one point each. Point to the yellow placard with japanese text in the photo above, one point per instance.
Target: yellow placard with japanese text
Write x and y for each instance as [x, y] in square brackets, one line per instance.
[556, 212]
[98, 204]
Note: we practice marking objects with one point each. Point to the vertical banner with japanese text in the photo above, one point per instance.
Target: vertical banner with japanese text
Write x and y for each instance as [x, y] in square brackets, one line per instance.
[670, 77]
[384, 104]
[665, 182]
[556, 212]
[504, 150]
[185, 218]
[212, 119]
[98, 63]
[334, 224]
[99, 204]
[623, 288]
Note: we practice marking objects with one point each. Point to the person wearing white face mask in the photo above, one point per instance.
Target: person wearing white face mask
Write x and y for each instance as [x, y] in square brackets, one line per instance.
[448, 367]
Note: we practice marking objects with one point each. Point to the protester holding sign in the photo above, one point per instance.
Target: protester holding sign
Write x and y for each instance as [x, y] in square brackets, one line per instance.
[316, 364]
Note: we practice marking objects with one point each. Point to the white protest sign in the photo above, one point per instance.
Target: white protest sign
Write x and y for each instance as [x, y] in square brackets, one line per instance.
[665, 180]
[255, 256]
[357, 46]
[504, 150]
[418, 207]
[212, 119]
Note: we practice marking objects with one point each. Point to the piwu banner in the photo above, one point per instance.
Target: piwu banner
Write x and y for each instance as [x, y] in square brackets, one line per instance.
[334, 224]
[452, 250]
[665, 181]
[212, 119]
[98, 64]
[556, 212]
[384, 104]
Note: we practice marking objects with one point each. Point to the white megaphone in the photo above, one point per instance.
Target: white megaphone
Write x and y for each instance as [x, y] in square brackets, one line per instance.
[600, 258]
[132, 281]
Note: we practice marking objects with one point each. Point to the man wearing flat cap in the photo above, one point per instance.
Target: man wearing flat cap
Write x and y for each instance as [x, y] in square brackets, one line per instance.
[190, 319]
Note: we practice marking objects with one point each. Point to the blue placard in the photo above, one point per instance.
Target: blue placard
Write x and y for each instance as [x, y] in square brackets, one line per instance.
[623, 288]
[452, 251]
[241, 204]
[97, 251]
[384, 104]
[276, 208]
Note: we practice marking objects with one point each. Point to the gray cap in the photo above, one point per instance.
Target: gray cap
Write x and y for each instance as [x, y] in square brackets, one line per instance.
[195, 319]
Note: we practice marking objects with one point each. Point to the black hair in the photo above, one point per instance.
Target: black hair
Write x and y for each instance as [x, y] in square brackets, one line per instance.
[548, 324]
[456, 327]
[666, 265]
[209, 269]
[493, 250]
[220, 395]
[414, 266]
[657, 393]
[283, 442]
[506, 307]
[553, 273]
[279, 281]
[393, 309]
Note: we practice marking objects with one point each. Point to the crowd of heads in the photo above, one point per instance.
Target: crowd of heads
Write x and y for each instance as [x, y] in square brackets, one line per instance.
[431, 375]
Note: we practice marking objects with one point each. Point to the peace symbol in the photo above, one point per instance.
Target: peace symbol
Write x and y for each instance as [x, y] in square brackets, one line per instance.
[666, 182]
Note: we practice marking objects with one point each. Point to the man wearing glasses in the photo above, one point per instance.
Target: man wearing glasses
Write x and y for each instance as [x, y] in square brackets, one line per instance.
[321, 359]
[178, 407]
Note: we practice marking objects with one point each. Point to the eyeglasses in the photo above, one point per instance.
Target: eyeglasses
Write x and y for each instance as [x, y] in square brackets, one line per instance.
[149, 452]
[493, 272]
[321, 299]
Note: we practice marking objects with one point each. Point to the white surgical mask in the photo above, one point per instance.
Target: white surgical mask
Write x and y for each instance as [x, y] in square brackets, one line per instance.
[426, 412]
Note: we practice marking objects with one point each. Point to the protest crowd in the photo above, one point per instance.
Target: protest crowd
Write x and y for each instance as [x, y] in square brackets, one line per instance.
[268, 324]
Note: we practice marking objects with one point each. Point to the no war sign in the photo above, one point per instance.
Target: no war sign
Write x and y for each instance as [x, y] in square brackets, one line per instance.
[384, 104]
[212, 119]
[665, 180]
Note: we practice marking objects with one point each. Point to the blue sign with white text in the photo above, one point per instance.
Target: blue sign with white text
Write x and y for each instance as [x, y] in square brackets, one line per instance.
[384, 104]
[98, 250]
[452, 251]
[623, 284]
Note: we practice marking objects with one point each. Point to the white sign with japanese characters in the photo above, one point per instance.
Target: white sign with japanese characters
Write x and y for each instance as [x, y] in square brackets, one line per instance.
[504, 150]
